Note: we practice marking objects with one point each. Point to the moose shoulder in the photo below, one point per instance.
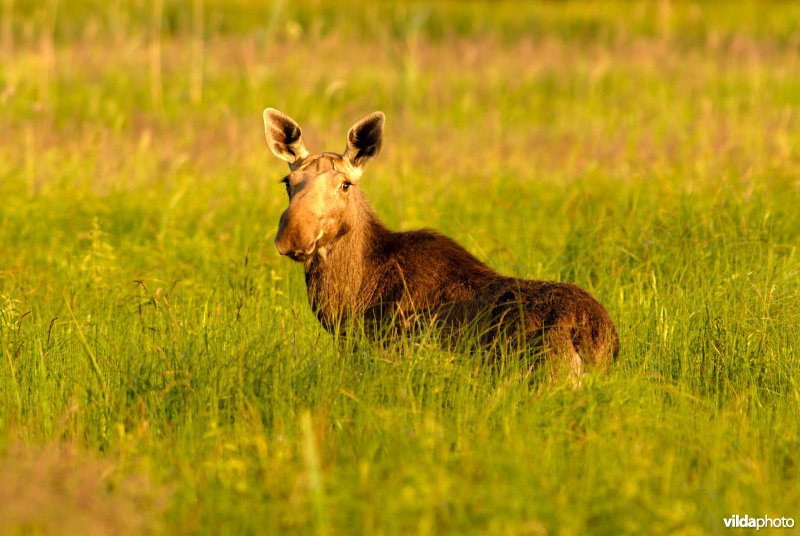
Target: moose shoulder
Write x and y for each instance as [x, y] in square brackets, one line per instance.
[356, 268]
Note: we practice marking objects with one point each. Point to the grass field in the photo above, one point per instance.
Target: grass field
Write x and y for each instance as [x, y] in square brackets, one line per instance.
[162, 372]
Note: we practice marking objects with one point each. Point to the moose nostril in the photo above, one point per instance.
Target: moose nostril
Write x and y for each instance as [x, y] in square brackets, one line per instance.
[282, 248]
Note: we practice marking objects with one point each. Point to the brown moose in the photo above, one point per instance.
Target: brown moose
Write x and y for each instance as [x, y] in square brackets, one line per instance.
[357, 270]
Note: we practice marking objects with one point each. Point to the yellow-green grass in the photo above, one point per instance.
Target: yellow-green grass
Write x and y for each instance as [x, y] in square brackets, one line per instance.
[159, 357]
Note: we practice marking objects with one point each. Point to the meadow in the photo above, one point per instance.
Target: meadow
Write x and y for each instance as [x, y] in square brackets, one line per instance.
[161, 371]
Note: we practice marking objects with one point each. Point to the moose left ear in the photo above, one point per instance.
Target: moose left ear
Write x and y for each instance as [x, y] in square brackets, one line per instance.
[284, 137]
[364, 141]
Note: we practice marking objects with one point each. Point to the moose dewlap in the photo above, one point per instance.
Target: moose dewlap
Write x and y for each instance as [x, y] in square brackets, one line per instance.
[359, 271]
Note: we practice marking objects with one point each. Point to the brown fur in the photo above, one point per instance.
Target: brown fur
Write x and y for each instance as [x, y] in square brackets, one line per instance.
[359, 271]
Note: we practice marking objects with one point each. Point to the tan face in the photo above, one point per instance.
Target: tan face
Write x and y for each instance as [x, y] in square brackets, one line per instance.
[319, 193]
[321, 187]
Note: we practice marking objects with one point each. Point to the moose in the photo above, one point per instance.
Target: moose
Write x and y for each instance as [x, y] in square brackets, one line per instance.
[357, 271]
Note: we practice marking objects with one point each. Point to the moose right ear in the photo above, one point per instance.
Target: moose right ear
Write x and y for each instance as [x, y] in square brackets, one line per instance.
[284, 137]
[364, 141]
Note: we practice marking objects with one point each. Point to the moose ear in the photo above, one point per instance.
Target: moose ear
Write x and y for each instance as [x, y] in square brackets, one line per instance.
[364, 140]
[284, 137]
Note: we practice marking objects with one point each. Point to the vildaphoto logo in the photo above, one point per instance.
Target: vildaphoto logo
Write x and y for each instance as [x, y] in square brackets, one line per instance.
[746, 522]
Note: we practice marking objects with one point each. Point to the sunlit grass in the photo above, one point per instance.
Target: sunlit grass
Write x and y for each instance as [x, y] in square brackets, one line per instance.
[646, 153]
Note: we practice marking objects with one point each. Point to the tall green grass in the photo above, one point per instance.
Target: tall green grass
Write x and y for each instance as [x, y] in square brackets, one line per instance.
[159, 357]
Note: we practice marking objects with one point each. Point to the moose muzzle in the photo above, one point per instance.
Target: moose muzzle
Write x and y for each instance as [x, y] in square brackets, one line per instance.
[297, 240]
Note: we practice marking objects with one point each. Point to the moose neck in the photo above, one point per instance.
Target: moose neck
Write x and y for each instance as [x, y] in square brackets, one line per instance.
[339, 276]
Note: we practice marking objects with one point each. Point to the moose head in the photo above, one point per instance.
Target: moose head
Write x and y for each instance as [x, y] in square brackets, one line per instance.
[324, 200]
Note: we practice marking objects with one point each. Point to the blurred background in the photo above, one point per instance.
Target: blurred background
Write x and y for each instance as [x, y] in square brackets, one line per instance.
[647, 151]
[109, 99]
[157, 97]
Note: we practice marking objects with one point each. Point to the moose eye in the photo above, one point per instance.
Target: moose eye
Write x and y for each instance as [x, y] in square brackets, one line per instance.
[346, 185]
